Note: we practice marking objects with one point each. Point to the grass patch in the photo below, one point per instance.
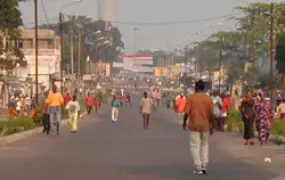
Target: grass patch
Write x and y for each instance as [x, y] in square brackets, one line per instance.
[278, 127]
[23, 123]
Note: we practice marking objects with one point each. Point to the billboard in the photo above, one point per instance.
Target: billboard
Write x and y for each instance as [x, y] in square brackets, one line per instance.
[138, 60]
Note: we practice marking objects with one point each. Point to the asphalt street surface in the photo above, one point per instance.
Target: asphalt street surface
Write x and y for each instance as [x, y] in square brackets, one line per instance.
[102, 150]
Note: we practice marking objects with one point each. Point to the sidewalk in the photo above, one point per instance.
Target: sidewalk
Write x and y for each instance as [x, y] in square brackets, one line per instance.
[232, 144]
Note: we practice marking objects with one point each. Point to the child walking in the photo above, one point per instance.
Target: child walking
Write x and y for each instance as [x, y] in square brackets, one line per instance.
[73, 108]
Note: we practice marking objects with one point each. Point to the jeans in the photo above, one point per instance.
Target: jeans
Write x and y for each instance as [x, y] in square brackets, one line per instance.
[199, 147]
[46, 123]
[54, 115]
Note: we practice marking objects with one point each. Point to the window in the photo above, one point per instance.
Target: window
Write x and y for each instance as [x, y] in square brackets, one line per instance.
[20, 45]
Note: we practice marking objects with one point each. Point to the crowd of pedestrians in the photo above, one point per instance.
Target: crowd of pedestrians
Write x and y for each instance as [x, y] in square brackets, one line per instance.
[21, 105]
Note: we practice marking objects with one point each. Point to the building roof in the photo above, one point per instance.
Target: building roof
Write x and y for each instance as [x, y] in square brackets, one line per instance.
[42, 34]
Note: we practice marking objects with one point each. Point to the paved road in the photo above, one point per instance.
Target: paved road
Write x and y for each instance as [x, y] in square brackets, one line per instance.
[124, 151]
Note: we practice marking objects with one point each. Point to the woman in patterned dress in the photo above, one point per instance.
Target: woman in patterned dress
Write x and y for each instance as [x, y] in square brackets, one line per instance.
[263, 119]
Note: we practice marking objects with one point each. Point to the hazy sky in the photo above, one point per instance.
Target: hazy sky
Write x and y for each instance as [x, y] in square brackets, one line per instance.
[154, 36]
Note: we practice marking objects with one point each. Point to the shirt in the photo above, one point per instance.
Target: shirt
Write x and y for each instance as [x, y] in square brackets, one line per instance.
[181, 103]
[67, 99]
[225, 106]
[73, 107]
[217, 101]
[54, 99]
[146, 104]
[89, 101]
[128, 98]
[19, 105]
[44, 108]
[247, 107]
[116, 103]
[200, 109]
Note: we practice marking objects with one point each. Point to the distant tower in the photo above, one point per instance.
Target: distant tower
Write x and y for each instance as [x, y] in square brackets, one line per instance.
[107, 10]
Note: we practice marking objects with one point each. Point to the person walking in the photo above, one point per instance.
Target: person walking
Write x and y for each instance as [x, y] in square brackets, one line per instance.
[247, 110]
[45, 113]
[73, 108]
[168, 101]
[55, 101]
[115, 109]
[225, 110]
[181, 103]
[264, 116]
[128, 100]
[146, 106]
[67, 98]
[201, 124]
[89, 102]
[217, 101]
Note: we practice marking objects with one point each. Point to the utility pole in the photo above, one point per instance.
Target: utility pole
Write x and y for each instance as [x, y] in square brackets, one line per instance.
[79, 53]
[71, 48]
[252, 39]
[220, 73]
[195, 51]
[271, 49]
[36, 52]
[61, 65]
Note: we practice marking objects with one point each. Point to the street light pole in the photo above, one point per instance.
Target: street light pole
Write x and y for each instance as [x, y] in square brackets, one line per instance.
[71, 49]
[61, 41]
[271, 84]
[79, 53]
[135, 29]
[220, 73]
[36, 51]
[61, 52]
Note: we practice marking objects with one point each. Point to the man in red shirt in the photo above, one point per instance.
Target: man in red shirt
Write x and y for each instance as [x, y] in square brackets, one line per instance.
[128, 100]
[67, 98]
[89, 102]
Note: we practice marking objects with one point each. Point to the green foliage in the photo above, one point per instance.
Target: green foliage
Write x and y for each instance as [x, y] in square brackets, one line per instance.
[10, 21]
[87, 28]
[234, 121]
[280, 53]
[37, 119]
[278, 127]
[23, 123]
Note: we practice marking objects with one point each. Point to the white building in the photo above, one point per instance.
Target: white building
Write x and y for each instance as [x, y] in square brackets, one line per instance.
[48, 55]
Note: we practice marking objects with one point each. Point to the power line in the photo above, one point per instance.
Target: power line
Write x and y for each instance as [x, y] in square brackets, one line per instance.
[156, 23]
[177, 22]
[32, 23]
[45, 14]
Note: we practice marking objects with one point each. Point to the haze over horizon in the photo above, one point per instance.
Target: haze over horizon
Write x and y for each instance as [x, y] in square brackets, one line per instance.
[155, 36]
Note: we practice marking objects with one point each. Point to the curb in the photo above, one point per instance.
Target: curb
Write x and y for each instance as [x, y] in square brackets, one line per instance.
[4, 141]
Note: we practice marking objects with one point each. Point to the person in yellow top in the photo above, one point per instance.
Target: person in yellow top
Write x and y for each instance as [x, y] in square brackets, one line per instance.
[54, 101]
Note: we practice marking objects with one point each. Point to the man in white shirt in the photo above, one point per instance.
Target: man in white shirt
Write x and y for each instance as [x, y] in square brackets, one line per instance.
[146, 106]
[73, 108]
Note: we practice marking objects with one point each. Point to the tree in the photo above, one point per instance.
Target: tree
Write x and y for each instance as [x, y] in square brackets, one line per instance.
[90, 43]
[10, 21]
